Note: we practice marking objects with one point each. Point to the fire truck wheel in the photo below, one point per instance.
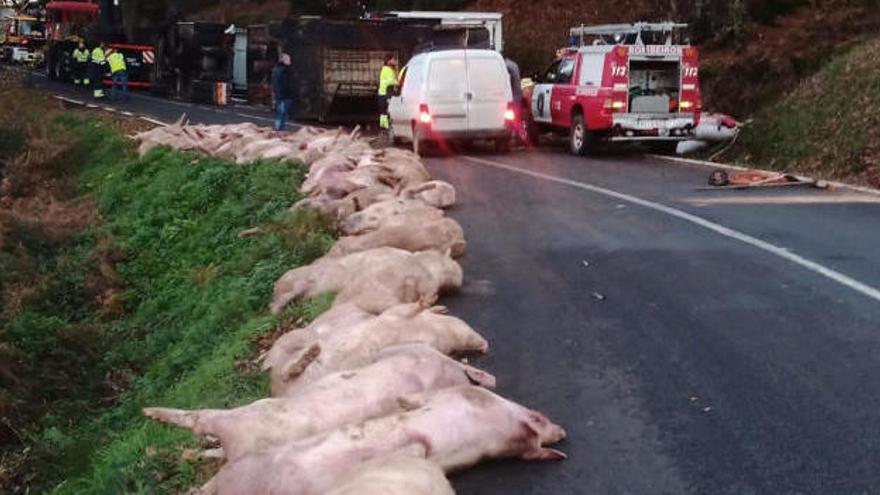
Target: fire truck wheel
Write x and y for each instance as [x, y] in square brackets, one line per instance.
[580, 140]
[502, 145]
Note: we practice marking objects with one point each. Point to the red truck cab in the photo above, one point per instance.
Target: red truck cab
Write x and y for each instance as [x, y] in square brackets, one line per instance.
[632, 82]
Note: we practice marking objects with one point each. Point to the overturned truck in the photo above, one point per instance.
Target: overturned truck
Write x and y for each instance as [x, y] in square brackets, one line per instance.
[336, 63]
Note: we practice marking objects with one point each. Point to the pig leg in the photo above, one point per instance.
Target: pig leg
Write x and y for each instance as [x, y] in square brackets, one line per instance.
[298, 364]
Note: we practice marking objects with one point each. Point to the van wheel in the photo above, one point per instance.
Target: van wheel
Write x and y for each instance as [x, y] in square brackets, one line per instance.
[580, 140]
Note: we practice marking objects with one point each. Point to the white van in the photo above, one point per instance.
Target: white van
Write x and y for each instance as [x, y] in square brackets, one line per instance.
[453, 95]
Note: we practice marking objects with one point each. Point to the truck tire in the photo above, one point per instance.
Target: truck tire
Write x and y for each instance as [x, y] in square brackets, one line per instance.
[580, 139]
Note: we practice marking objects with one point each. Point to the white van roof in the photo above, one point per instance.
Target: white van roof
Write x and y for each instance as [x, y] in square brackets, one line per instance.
[458, 53]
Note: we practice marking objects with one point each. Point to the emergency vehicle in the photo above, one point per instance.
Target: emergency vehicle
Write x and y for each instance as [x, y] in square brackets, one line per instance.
[68, 22]
[23, 39]
[621, 82]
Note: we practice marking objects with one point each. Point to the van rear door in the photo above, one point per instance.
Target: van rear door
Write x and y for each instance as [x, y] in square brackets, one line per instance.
[447, 93]
[489, 93]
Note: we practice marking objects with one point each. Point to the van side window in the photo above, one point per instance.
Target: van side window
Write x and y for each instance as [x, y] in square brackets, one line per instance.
[592, 67]
[566, 70]
[412, 80]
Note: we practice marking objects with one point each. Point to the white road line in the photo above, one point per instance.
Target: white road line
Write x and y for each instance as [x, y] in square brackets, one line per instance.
[152, 120]
[257, 117]
[783, 253]
[69, 100]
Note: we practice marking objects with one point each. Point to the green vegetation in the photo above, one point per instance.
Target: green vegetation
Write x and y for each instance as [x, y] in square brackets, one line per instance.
[829, 125]
[160, 303]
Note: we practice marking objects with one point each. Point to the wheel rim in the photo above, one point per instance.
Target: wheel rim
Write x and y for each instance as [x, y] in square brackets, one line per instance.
[577, 136]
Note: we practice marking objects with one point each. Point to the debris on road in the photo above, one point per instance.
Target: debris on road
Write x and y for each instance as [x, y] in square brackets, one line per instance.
[722, 180]
[599, 297]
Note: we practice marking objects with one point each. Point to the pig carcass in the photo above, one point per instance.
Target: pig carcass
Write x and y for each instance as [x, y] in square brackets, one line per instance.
[397, 474]
[374, 215]
[373, 280]
[412, 231]
[335, 400]
[347, 348]
[293, 342]
[350, 204]
[435, 193]
[455, 428]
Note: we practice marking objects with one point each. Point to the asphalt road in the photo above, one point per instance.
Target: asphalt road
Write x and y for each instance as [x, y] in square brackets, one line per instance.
[690, 342]
[679, 359]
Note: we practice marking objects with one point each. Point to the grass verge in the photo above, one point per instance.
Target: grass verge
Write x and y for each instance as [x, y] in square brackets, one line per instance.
[158, 303]
[828, 126]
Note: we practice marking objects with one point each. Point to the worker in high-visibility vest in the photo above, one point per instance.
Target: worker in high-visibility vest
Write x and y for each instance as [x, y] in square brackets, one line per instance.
[118, 73]
[98, 67]
[81, 57]
[387, 87]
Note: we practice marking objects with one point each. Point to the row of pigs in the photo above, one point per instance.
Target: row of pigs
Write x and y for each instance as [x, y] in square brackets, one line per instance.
[366, 400]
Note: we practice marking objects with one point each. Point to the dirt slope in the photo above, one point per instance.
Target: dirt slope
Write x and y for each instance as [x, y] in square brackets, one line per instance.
[741, 77]
[828, 125]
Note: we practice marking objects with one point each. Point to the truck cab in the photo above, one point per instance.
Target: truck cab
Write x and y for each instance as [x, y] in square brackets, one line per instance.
[626, 82]
[23, 39]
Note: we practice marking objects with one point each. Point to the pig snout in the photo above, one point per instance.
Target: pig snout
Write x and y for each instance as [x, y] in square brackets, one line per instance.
[548, 431]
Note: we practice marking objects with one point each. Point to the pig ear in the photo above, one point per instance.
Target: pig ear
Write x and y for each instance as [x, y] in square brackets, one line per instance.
[544, 454]
[479, 377]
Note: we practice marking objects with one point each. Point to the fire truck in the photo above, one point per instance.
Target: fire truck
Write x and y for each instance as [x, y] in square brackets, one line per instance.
[68, 22]
[23, 38]
[617, 83]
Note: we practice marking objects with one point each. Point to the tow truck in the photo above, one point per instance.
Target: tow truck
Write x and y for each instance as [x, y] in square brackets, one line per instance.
[617, 83]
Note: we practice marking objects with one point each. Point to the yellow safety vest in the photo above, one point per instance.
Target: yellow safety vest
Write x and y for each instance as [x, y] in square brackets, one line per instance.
[117, 62]
[81, 56]
[98, 56]
[387, 77]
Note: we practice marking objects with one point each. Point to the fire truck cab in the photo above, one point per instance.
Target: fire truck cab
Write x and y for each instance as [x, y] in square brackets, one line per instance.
[23, 39]
[622, 82]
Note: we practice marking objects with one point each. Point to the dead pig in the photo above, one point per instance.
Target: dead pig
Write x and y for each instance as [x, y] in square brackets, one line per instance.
[397, 474]
[333, 401]
[373, 216]
[374, 280]
[347, 348]
[412, 232]
[456, 428]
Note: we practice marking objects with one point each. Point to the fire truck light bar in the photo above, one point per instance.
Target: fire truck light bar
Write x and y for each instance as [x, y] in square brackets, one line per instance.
[639, 27]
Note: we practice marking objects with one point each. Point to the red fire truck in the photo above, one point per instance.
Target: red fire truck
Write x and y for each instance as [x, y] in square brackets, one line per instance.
[622, 82]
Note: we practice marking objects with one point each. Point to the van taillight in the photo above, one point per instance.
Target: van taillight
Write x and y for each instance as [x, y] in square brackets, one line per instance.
[424, 114]
[510, 114]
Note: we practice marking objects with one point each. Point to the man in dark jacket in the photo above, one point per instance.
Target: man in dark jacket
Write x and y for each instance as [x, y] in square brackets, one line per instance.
[282, 91]
[517, 92]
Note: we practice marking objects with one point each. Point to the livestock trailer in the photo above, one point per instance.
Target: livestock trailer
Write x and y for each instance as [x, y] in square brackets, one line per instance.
[336, 63]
